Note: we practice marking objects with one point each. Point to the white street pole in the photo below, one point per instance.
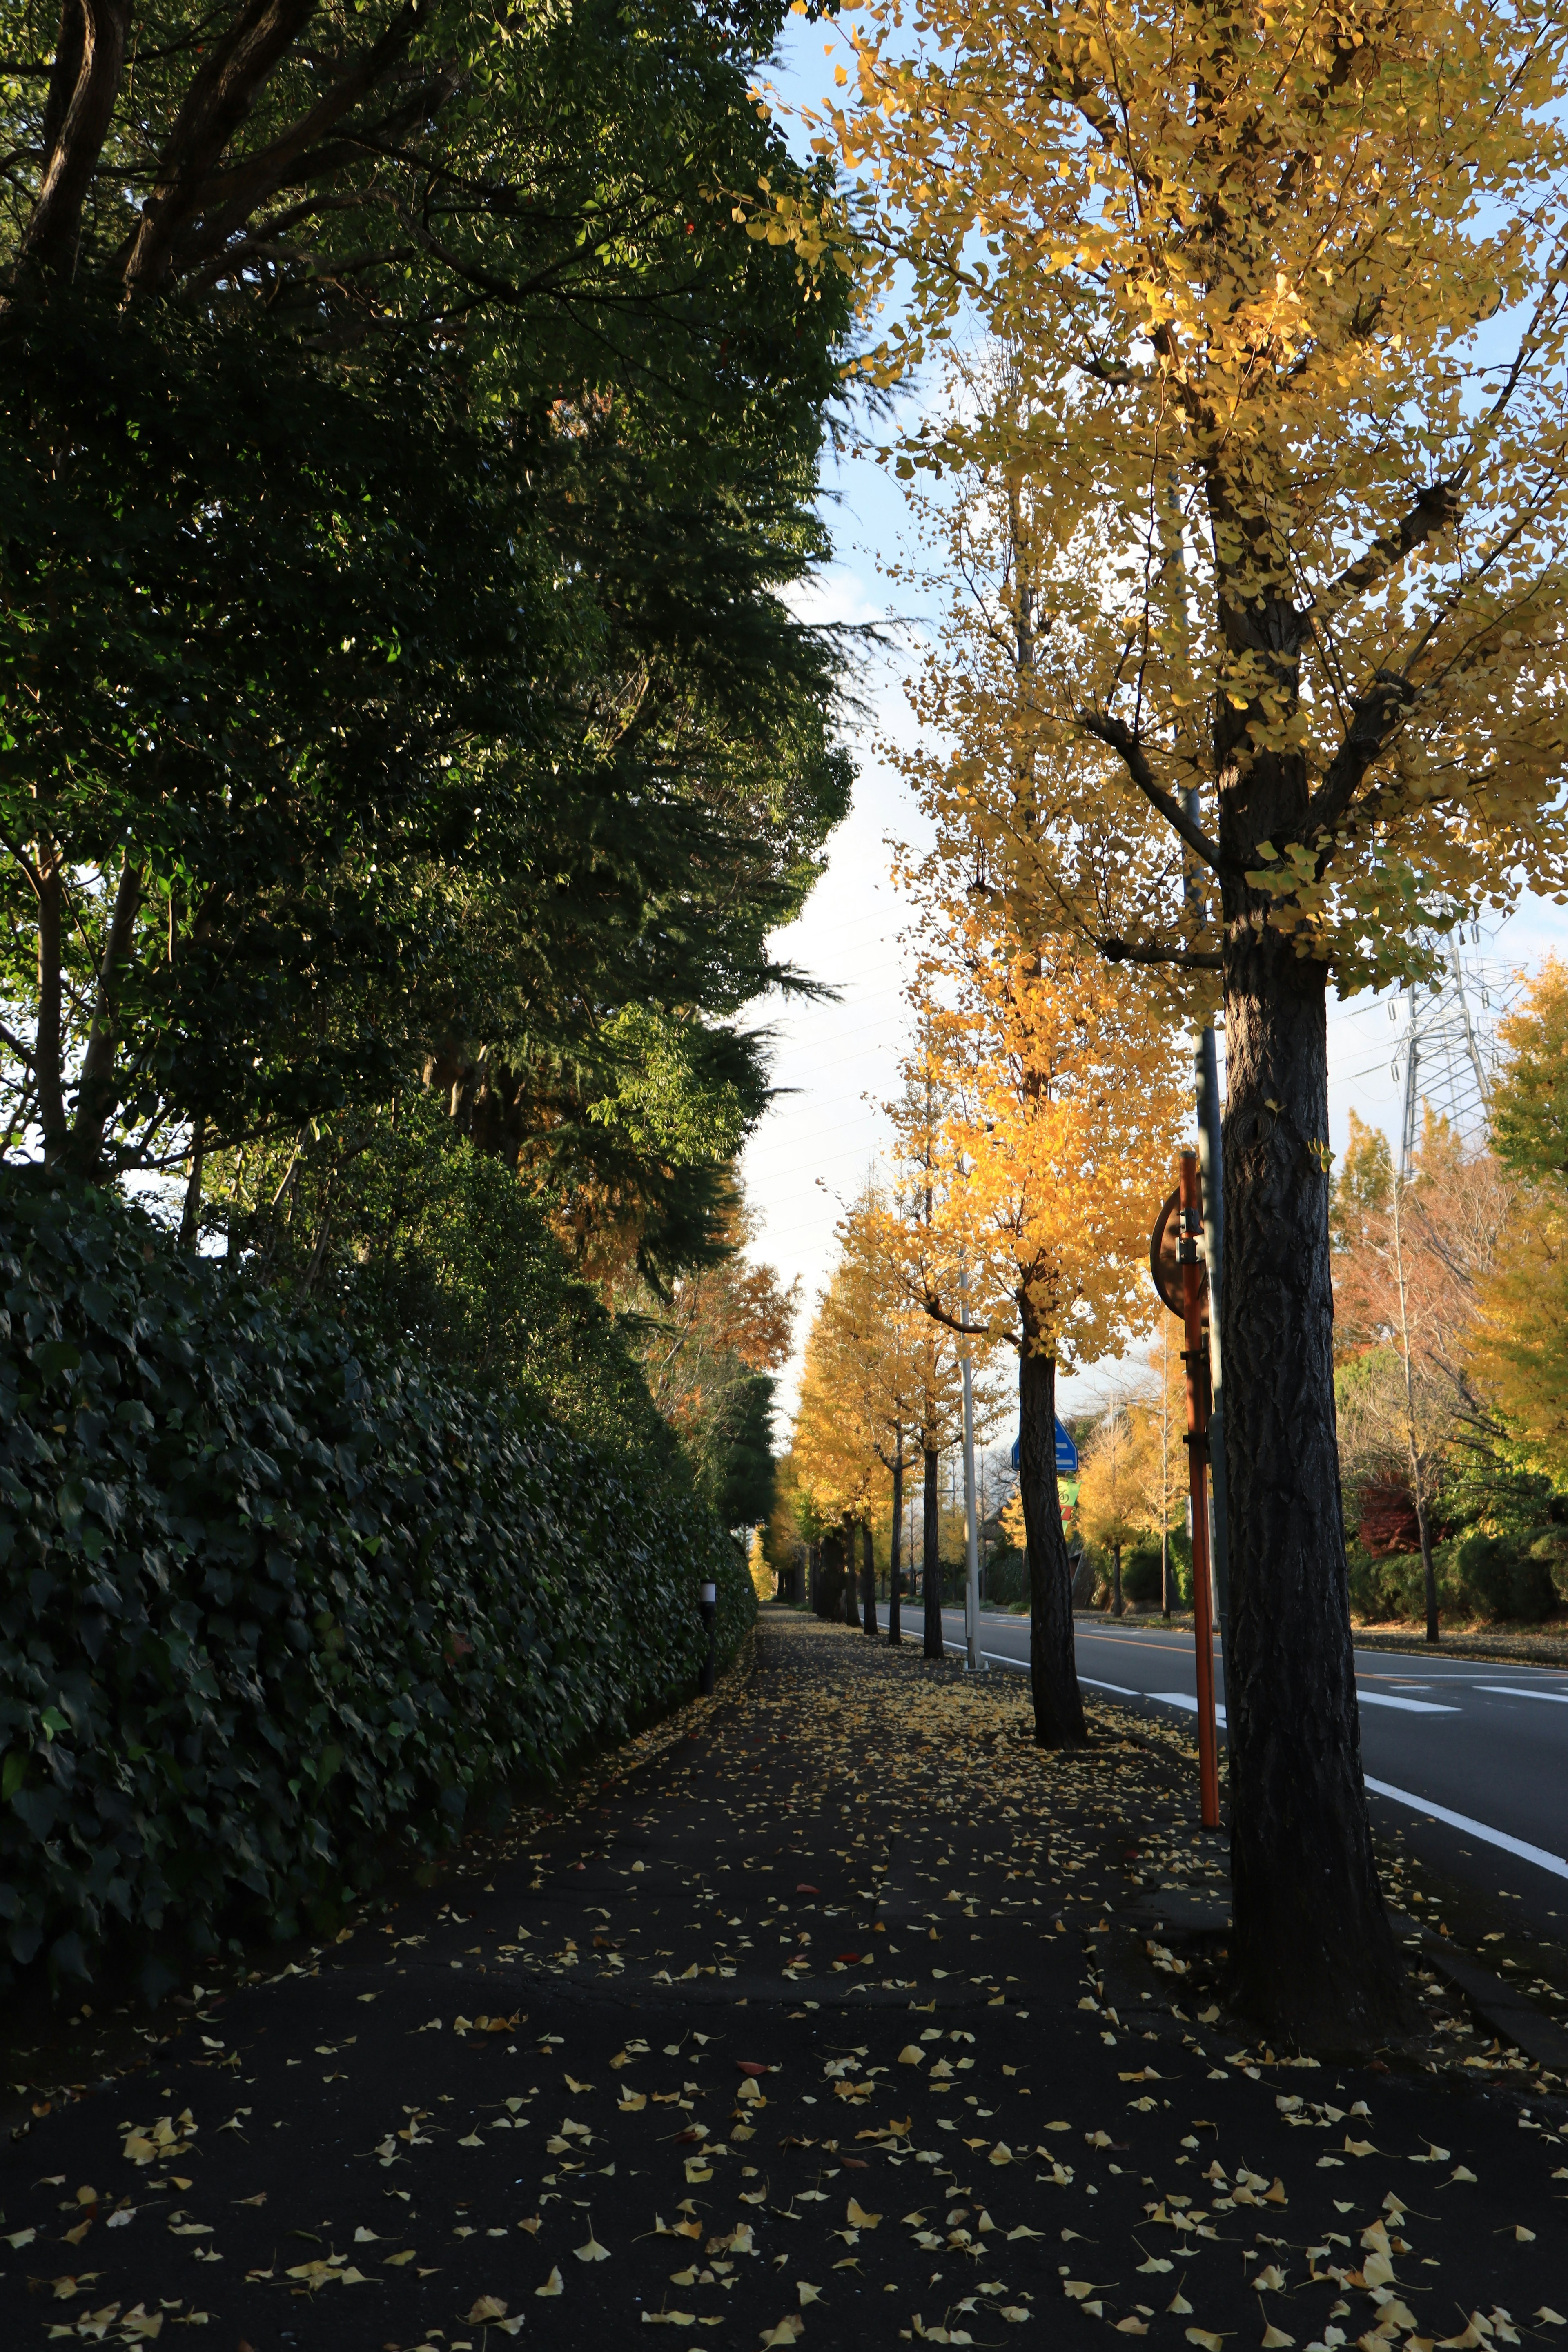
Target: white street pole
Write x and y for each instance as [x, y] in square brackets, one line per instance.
[972, 1532]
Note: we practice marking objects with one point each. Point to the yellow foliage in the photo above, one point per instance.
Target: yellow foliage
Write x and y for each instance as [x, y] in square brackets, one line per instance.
[1247, 504]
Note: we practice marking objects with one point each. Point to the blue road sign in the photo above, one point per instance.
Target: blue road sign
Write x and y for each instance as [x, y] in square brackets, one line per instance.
[1067, 1455]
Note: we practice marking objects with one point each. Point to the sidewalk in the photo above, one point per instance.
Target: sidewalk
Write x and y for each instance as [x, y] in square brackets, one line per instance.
[839, 2014]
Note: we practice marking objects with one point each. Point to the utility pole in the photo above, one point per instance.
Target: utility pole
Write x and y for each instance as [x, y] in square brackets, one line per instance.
[972, 1548]
[1211, 1184]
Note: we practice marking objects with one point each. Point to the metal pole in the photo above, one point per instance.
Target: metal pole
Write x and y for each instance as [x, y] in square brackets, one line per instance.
[708, 1605]
[1211, 1171]
[1195, 1356]
[971, 1533]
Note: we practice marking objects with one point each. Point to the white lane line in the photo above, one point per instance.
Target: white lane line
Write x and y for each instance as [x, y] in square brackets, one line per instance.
[1405, 1706]
[1180, 1698]
[1506, 1690]
[1119, 1688]
[1536, 1853]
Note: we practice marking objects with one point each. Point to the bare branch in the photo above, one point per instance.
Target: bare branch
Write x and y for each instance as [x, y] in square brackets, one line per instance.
[1119, 737]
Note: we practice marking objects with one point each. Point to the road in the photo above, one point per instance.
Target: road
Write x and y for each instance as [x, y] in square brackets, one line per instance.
[1469, 1761]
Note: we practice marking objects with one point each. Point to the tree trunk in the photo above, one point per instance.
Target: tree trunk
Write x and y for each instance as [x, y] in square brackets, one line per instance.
[1428, 1571]
[849, 1599]
[1314, 1957]
[930, 1566]
[190, 1216]
[896, 1547]
[1117, 1604]
[48, 1041]
[868, 1580]
[1053, 1662]
[96, 1094]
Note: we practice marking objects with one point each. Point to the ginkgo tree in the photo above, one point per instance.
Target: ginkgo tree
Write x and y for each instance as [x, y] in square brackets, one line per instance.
[1282, 297]
[1053, 1129]
[881, 1394]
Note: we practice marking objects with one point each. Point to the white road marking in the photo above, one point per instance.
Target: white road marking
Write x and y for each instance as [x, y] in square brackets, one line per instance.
[1483, 1829]
[1406, 1705]
[1180, 1698]
[1506, 1690]
[1119, 1688]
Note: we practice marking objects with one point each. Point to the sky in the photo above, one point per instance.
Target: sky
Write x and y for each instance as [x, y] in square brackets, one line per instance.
[834, 1064]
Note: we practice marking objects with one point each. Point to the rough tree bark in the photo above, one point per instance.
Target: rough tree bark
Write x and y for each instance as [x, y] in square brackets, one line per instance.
[1312, 1954]
[868, 1580]
[930, 1566]
[1053, 1662]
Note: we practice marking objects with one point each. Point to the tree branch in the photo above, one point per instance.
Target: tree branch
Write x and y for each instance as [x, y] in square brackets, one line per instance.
[1376, 718]
[1437, 508]
[89, 62]
[220, 97]
[1118, 737]
[1118, 951]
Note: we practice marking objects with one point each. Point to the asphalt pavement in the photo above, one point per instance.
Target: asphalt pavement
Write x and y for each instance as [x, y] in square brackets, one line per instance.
[1469, 1761]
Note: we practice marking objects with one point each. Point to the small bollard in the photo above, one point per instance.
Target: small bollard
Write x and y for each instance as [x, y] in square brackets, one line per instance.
[711, 1619]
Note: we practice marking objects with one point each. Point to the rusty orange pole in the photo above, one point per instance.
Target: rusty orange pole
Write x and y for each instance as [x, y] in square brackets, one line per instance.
[1196, 1358]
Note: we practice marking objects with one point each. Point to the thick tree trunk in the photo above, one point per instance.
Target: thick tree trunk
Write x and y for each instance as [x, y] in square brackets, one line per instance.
[896, 1548]
[930, 1566]
[1314, 1957]
[868, 1580]
[1053, 1662]
[849, 1599]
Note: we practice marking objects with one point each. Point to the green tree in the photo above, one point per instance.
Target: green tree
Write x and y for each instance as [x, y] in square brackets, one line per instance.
[406, 455]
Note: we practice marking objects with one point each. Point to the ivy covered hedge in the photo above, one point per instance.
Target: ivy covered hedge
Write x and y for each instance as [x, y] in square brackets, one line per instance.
[271, 1606]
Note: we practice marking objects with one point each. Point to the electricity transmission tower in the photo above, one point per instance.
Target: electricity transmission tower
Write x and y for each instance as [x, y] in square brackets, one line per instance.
[1447, 1054]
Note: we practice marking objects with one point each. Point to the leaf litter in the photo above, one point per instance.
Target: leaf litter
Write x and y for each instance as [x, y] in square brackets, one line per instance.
[856, 1924]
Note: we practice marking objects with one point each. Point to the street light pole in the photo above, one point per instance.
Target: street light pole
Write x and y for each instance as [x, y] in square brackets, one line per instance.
[971, 1546]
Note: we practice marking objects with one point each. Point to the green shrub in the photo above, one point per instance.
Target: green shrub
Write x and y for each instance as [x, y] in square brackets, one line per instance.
[1502, 1582]
[268, 1605]
[1141, 1577]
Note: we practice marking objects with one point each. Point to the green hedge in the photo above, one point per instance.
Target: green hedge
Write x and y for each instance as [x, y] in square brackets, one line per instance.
[1503, 1579]
[271, 1607]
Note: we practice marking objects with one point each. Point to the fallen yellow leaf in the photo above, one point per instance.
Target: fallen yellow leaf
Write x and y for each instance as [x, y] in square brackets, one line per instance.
[553, 2284]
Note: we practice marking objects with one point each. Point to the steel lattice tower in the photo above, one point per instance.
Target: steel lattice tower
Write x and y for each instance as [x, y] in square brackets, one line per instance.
[1448, 1055]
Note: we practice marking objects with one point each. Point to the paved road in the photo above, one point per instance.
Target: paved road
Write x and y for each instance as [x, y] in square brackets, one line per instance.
[1471, 1760]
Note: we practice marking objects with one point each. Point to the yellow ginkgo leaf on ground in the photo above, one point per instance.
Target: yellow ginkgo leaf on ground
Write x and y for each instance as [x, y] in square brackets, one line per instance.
[807, 2293]
[1205, 2340]
[1178, 2303]
[1024, 2231]
[1550, 2318]
[631, 2102]
[573, 2084]
[1462, 2173]
[1270, 2276]
[911, 2055]
[1131, 2327]
[1475, 2335]
[367, 2237]
[485, 2306]
[669, 2319]
[553, 2284]
[1524, 2237]
[592, 2251]
[1275, 2340]
[1015, 2311]
[1155, 2262]
[785, 2332]
[398, 2261]
[861, 2220]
